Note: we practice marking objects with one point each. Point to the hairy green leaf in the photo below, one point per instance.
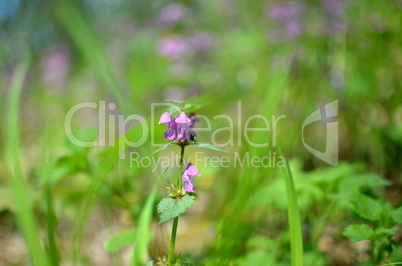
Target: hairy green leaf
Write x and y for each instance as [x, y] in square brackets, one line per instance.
[169, 208]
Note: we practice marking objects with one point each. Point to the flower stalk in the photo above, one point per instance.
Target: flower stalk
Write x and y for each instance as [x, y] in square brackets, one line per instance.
[180, 130]
[176, 220]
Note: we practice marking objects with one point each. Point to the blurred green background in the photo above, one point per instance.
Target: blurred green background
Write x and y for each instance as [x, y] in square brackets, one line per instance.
[61, 204]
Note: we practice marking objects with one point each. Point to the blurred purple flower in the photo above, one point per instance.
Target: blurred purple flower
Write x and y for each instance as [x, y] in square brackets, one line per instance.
[334, 7]
[285, 12]
[188, 177]
[201, 41]
[173, 46]
[55, 67]
[288, 20]
[172, 13]
[293, 29]
[180, 68]
[336, 16]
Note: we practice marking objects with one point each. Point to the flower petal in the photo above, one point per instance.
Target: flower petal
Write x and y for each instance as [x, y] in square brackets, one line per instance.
[192, 171]
[165, 118]
[182, 119]
[188, 186]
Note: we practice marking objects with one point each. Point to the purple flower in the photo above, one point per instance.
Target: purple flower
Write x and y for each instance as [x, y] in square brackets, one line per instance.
[173, 46]
[172, 13]
[165, 118]
[334, 7]
[201, 41]
[288, 20]
[336, 16]
[188, 177]
[285, 12]
[183, 123]
[180, 127]
[170, 125]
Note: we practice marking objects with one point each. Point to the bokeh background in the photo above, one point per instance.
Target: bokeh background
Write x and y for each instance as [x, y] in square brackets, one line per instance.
[276, 57]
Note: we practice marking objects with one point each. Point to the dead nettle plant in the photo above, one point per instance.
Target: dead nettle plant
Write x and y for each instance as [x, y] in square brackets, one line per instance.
[180, 123]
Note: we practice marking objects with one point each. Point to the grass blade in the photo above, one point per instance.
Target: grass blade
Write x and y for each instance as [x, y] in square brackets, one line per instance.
[85, 39]
[51, 220]
[24, 212]
[296, 239]
[143, 232]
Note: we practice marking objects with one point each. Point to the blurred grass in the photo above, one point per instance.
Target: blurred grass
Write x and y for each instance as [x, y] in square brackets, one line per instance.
[89, 45]
[21, 190]
[143, 231]
[295, 226]
[51, 220]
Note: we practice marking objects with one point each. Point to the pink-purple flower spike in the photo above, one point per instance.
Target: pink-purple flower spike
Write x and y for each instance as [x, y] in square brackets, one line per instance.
[188, 177]
[179, 127]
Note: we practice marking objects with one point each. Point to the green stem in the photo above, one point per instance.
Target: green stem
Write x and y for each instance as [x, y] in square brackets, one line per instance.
[180, 181]
[176, 220]
[373, 258]
[172, 240]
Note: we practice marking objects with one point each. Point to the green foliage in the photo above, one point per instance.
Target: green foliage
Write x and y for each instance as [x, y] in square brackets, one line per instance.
[120, 240]
[170, 208]
[143, 230]
[20, 189]
[397, 215]
[296, 237]
[381, 232]
[367, 208]
[358, 232]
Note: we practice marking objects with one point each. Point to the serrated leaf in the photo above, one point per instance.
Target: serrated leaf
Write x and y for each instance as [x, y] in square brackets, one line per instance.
[382, 233]
[374, 180]
[397, 215]
[355, 183]
[122, 239]
[205, 145]
[161, 149]
[358, 232]
[169, 208]
[367, 208]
